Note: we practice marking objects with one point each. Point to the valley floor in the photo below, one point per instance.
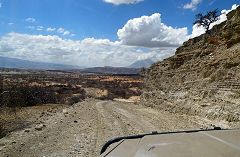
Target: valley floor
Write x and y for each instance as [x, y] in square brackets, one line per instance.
[81, 130]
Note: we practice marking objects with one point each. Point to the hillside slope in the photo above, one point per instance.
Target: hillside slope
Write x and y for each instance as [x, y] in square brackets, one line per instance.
[203, 77]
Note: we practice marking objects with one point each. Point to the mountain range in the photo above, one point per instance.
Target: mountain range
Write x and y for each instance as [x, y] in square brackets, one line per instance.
[7, 62]
[142, 63]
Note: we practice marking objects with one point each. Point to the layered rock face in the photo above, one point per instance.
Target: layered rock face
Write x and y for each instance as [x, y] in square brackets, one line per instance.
[203, 77]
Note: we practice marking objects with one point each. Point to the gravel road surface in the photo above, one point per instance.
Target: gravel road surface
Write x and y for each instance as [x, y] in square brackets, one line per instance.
[81, 130]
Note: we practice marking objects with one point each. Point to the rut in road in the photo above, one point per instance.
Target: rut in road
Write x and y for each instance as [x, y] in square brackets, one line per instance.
[141, 124]
[122, 119]
[86, 126]
[107, 126]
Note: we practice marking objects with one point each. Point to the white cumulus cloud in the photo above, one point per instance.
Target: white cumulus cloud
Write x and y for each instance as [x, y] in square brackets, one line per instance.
[149, 31]
[146, 37]
[30, 19]
[118, 2]
[86, 52]
[192, 5]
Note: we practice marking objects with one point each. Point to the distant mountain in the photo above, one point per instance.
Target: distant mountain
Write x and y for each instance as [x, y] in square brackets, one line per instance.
[6, 62]
[142, 63]
[112, 70]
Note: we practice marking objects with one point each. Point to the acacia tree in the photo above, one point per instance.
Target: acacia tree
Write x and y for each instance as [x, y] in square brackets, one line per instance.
[207, 20]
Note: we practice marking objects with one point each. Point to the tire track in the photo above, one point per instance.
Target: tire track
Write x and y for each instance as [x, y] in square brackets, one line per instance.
[117, 118]
[110, 121]
[108, 125]
[139, 122]
[83, 129]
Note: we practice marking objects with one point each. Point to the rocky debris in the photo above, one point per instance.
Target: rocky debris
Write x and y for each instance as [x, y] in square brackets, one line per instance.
[2, 148]
[97, 122]
[13, 142]
[65, 111]
[26, 130]
[202, 78]
[40, 127]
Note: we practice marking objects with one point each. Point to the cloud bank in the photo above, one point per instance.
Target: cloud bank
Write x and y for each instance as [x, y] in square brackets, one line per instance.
[86, 52]
[118, 2]
[146, 37]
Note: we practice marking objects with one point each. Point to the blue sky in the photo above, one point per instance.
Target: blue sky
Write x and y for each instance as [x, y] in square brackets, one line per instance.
[101, 21]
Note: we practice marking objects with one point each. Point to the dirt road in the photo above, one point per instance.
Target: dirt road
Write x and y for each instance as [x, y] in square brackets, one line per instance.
[82, 129]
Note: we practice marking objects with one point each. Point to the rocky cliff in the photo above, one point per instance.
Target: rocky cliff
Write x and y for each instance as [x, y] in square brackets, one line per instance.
[203, 77]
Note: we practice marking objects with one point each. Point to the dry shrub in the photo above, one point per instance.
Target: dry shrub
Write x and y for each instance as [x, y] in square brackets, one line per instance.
[207, 73]
[212, 78]
[9, 121]
[236, 94]
[75, 99]
[230, 64]
[214, 40]
[26, 96]
[233, 41]
[218, 75]
[2, 132]
[96, 93]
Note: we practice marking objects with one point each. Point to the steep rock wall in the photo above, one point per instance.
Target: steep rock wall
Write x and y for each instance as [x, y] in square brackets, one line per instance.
[203, 77]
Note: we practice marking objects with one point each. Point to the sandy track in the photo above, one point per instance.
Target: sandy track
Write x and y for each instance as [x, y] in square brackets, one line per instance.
[83, 128]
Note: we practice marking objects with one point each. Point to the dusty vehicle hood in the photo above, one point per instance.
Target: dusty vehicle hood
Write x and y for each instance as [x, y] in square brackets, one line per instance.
[219, 143]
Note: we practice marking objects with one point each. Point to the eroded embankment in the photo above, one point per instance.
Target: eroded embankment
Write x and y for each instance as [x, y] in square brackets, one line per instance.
[202, 78]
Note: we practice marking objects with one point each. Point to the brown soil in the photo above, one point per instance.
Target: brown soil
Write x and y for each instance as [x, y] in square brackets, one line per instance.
[81, 130]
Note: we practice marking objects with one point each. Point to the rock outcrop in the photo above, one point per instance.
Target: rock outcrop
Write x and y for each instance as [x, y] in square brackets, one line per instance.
[203, 77]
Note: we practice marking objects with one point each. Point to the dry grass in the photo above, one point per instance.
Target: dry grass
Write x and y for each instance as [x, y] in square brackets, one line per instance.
[235, 95]
[96, 93]
[14, 119]
[10, 120]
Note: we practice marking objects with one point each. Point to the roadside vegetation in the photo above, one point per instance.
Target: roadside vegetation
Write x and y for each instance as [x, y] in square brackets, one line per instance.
[27, 89]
